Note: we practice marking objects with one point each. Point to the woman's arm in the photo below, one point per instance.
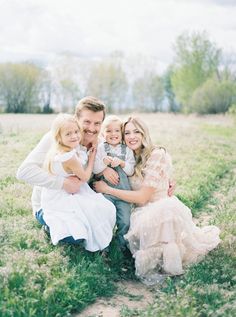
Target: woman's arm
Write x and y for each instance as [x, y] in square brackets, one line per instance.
[140, 197]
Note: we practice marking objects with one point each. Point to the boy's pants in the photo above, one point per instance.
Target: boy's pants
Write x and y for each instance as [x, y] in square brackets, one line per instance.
[123, 211]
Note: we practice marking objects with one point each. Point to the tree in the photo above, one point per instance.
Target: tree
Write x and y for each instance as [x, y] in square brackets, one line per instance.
[69, 93]
[141, 97]
[228, 67]
[156, 92]
[148, 92]
[197, 59]
[169, 92]
[107, 80]
[46, 91]
[19, 87]
[66, 91]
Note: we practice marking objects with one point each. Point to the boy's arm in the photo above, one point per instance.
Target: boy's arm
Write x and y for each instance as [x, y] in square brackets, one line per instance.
[31, 170]
[129, 162]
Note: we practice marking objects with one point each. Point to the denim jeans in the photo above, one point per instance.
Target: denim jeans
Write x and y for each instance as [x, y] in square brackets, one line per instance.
[123, 211]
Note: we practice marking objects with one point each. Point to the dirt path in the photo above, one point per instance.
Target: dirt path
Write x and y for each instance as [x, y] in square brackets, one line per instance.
[130, 294]
[133, 294]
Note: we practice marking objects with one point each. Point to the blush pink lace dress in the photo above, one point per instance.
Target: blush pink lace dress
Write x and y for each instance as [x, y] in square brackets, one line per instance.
[162, 236]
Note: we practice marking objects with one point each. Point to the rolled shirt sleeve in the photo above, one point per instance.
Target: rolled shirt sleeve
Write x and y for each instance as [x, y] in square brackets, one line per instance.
[31, 170]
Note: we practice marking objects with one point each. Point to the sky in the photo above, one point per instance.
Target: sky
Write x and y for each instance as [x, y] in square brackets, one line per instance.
[44, 29]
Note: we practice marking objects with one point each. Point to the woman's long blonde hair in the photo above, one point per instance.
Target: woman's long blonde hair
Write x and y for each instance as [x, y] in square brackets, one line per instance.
[147, 146]
[57, 145]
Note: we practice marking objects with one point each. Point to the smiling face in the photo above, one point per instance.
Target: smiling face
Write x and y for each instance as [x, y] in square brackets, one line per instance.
[90, 122]
[133, 137]
[70, 135]
[112, 133]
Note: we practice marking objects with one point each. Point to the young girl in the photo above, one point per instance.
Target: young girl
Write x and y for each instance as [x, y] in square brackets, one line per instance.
[117, 155]
[85, 215]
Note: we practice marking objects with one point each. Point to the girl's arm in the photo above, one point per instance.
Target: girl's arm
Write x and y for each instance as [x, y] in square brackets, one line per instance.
[140, 197]
[76, 167]
[99, 164]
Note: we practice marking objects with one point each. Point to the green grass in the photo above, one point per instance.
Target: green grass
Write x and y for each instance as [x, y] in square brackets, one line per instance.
[39, 279]
[209, 287]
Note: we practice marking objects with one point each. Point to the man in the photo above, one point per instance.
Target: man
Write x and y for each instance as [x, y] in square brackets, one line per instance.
[90, 112]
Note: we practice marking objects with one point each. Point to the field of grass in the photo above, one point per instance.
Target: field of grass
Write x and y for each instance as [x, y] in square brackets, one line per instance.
[39, 279]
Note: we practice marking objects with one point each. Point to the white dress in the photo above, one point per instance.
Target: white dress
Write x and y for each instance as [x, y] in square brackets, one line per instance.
[162, 234]
[85, 215]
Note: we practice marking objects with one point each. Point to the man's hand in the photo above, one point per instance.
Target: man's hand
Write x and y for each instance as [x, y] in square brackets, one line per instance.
[72, 184]
[111, 176]
[172, 185]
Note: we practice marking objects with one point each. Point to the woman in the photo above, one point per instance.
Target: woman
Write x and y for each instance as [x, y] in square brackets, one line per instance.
[162, 236]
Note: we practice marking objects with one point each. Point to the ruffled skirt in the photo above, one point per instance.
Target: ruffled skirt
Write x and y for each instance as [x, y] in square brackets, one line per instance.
[84, 215]
[163, 238]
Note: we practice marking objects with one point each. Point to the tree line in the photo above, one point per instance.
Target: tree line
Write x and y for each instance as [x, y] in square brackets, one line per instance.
[200, 79]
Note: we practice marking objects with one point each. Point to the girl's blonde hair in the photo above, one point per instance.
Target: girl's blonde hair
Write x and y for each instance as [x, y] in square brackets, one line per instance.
[147, 146]
[58, 147]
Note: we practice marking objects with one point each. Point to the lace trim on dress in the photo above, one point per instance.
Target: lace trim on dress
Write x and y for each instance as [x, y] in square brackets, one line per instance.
[157, 169]
[63, 157]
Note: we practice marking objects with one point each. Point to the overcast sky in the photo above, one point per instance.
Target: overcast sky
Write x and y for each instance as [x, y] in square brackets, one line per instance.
[40, 29]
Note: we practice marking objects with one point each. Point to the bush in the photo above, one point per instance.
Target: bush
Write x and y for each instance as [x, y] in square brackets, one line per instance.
[232, 109]
[19, 86]
[213, 96]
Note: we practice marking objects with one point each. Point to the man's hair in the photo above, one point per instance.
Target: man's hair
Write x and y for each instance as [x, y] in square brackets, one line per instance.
[90, 103]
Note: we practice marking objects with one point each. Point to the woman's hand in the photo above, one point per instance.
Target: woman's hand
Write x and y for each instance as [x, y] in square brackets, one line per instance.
[101, 187]
[171, 189]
